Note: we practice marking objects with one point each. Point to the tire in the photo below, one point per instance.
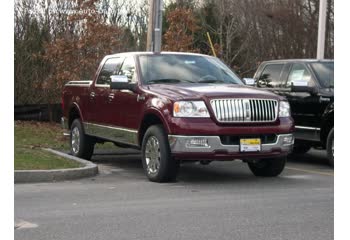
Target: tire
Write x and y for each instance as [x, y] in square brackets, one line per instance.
[301, 148]
[330, 147]
[271, 167]
[81, 145]
[157, 162]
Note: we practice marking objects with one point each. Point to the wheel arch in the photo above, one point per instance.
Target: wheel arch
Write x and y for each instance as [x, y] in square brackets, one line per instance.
[151, 117]
[327, 123]
[74, 113]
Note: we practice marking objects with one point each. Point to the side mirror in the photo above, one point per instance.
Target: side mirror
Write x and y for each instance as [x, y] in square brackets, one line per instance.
[121, 82]
[249, 81]
[301, 86]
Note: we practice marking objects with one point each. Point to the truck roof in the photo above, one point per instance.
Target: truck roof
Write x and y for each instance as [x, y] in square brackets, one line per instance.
[158, 53]
[308, 60]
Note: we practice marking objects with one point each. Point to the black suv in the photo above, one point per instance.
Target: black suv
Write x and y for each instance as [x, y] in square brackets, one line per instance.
[308, 84]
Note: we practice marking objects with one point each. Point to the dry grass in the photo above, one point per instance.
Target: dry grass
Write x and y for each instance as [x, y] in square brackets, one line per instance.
[31, 137]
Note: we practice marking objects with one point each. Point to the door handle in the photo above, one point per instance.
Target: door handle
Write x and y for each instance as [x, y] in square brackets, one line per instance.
[110, 97]
[324, 99]
[140, 98]
[92, 95]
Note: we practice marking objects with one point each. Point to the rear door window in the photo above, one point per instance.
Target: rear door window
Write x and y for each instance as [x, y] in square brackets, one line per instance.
[271, 76]
[300, 73]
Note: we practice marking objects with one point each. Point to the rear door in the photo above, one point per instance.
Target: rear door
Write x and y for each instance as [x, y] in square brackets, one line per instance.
[102, 99]
[306, 107]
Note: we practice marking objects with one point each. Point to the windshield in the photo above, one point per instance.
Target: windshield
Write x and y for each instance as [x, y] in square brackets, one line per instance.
[176, 68]
[325, 73]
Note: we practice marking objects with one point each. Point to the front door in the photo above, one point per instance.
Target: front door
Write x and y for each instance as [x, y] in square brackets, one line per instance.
[129, 103]
[121, 109]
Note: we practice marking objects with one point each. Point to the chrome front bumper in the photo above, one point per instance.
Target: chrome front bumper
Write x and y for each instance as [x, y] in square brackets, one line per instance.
[180, 144]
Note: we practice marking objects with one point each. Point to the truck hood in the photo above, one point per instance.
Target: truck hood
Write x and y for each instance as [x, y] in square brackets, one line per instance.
[210, 91]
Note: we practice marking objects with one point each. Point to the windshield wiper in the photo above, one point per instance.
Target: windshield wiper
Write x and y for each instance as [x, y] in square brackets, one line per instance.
[167, 80]
[211, 81]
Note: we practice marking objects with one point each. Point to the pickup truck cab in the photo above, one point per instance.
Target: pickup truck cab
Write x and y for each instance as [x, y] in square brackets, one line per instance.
[177, 107]
[308, 85]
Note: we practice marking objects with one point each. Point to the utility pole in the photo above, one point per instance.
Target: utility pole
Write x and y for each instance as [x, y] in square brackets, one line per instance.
[158, 26]
[154, 30]
[150, 27]
[322, 16]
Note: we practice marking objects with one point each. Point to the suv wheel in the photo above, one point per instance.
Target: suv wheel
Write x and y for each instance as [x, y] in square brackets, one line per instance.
[157, 162]
[81, 145]
[330, 147]
[271, 167]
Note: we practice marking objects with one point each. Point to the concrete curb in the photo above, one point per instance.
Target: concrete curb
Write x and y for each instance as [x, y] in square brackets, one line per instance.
[27, 176]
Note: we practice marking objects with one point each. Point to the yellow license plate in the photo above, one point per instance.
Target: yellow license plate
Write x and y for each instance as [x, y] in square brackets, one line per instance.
[250, 145]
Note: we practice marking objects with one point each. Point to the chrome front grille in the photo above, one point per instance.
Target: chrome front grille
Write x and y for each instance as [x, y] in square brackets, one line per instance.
[244, 110]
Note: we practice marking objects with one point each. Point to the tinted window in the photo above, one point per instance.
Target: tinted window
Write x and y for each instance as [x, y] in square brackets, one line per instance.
[128, 69]
[299, 72]
[324, 73]
[111, 67]
[193, 69]
[270, 77]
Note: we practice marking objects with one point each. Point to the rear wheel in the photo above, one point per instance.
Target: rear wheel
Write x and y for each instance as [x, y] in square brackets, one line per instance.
[82, 146]
[157, 162]
[330, 147]
[271, 167]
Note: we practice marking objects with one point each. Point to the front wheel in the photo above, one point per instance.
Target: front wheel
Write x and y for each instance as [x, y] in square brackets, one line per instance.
[330, 147]
[157, 162]
[271, 167]
[81, 145]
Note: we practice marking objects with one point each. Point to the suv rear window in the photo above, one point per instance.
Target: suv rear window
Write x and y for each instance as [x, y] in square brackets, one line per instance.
[324, 73]
[270, 77]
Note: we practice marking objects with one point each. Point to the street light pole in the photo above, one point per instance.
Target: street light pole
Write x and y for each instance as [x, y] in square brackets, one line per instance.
[321, 29]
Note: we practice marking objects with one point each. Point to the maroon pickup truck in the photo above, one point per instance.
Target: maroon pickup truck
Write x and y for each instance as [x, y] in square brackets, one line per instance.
[177, 107]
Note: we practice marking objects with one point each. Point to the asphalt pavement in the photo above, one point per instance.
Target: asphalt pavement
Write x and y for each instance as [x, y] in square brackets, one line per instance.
[222, 200]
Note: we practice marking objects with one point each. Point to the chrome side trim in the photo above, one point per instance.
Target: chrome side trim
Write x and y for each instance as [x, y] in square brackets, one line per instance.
[308, 128]
[111, 133]
[308, 133]
[178, 145]
[102, 85]
[83, 83]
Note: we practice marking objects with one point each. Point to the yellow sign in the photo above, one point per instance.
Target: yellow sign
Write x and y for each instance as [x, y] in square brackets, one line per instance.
[251, 141]
[250, 145]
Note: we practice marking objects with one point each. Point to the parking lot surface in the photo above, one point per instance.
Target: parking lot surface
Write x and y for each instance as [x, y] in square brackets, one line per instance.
[222, 200]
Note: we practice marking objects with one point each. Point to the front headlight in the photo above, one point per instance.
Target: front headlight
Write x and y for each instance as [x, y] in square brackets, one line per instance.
[284, 110]
[192, 109]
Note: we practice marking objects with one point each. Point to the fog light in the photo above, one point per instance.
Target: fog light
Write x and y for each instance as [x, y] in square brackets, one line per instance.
[288, 140]
[197, 142]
